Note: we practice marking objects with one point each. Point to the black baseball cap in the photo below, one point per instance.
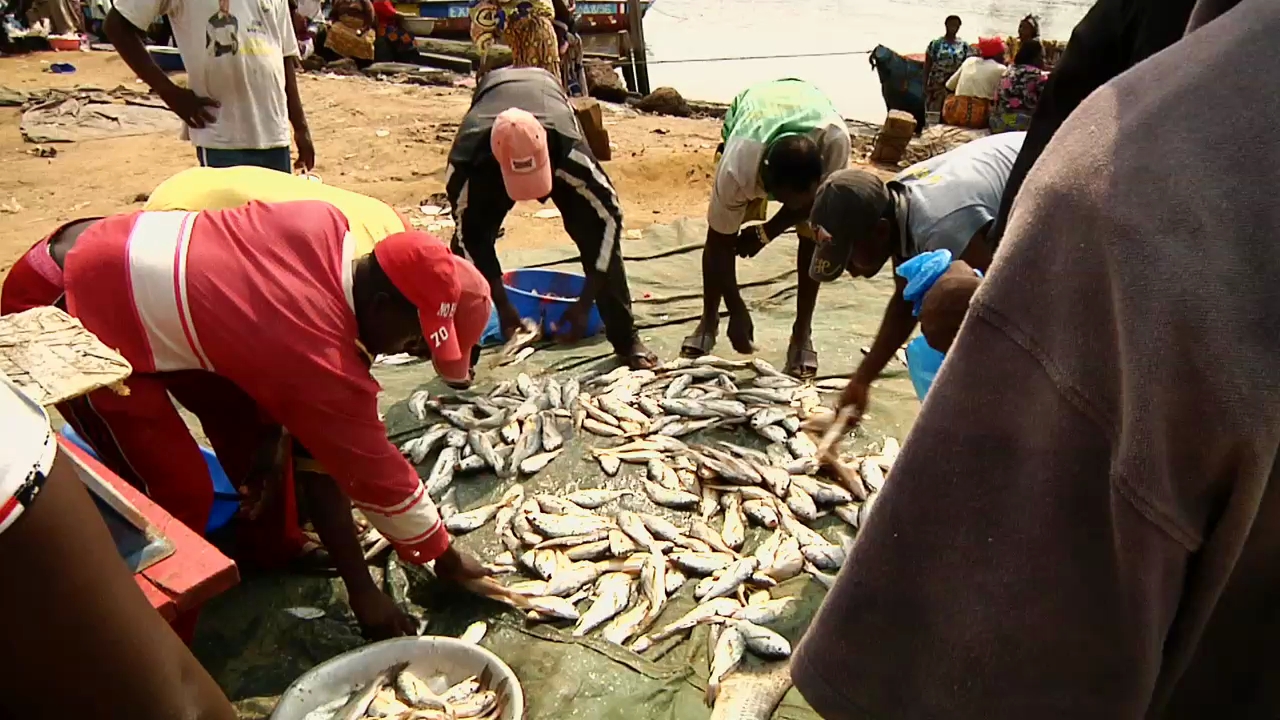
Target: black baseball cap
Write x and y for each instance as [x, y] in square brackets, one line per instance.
[845, 211]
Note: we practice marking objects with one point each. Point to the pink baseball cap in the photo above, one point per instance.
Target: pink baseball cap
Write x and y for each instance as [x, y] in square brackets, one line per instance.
[519, 142]
[422, 269]
[472, 318]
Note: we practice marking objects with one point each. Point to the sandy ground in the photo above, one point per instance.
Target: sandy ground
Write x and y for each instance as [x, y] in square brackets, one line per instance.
[662, 165]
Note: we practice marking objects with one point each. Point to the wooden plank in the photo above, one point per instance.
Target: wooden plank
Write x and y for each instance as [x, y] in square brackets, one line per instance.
[636, 15]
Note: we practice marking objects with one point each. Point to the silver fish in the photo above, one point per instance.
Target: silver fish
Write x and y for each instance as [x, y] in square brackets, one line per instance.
[720, 607]
[790, 523]
[448, 504]
[681, 428]
[597, 550]
[569, 579]
[529, 444]
[678, 387]
[767, 396]
[776, 382]
[823, 579]
[634, 526]
[675, 580]
[725, 408]
[729, 580]
[621, 410]
[802, 504]
[773, 433]
[543, 563]
[762, 641]
[479, 705]
[791, 424]
[701, 564]
[653, 584]
[649, 407]
[456, 438]
[465, 522]
[661, 527]
[556, 505]
[621, 544]
[700, 530]
[569, 392]
[624, 626]
[849, 514]
[764, 368]
[824, 493]
[871, 474]
[554, 393]
[510, 432]
[864, 512]
[595, 497]
[709, 503]
[556, 526]
[526, 386]
[674, 499]
[554, 607]
[419, 448]
[734, 530]
[824, 557]
[551, 437]
[801, 446]
[612, 595]
[482, 446]
[761, 512]
[358, 704]
[775, 478]
[609, 464]
[766, 416]
[726, 656]
[534, 464]
[596, 427]
[529, 588]
[786, 563]
[525, 410]
[765, 612]
[441, 474]
[571, 541]
[470, 464]
[687, 408]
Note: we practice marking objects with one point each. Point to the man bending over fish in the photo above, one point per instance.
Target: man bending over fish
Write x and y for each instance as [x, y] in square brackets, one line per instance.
[521, 141]
[947, 202]
[253, 318]
[781, 138]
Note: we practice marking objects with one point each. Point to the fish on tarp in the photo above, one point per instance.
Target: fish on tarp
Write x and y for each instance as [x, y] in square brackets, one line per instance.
[551, 437]
[593, 498]
[613, 593]
[534, 464]
[623, 627]
[724, 658]
[441, 475]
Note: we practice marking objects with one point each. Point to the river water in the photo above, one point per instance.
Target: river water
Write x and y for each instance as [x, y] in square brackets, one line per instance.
[677, 30]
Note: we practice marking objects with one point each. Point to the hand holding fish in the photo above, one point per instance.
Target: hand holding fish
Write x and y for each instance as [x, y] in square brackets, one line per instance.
[573, 324]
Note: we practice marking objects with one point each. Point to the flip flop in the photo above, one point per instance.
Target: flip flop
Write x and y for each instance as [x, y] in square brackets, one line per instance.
[802, 362]
[742, 338]
[698, 344]
[639, 357]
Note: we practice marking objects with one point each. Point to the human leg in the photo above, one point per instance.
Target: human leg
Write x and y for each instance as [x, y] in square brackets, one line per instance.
[802, 359]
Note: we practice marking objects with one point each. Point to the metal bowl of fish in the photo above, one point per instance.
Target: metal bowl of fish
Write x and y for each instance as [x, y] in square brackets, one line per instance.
[415, 678]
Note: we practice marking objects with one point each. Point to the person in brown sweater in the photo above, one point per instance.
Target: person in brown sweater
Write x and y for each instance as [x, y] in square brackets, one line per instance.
[1082, 523]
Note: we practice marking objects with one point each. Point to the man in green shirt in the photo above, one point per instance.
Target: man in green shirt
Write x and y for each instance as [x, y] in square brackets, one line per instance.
[780, 139]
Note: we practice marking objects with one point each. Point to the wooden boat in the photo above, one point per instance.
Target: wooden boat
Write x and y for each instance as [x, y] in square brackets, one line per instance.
[452, 19]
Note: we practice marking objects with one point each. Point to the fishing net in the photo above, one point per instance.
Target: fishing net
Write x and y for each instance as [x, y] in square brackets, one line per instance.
[255, 649]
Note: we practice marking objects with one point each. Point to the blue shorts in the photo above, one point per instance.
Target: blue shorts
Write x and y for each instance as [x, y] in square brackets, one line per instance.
[270, 158]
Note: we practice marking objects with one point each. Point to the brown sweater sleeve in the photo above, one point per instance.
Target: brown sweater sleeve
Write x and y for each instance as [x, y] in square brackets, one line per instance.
[1005, 572]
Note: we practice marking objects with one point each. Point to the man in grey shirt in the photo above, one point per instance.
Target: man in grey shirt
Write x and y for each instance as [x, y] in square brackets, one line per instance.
[944, 203]
[1082, 523]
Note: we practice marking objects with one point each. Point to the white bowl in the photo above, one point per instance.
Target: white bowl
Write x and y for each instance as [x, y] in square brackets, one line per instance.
[427, 656]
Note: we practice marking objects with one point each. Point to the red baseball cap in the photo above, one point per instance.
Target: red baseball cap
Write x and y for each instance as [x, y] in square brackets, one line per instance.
[423, 270]
[519, 143]
[474, 307]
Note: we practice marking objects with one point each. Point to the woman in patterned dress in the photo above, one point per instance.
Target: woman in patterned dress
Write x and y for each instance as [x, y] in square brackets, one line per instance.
[941, 60]
[525, 25]
[1019, 90]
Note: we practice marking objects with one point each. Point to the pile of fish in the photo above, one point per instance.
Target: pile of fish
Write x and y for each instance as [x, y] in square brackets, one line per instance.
[398, 694]
[612, 570]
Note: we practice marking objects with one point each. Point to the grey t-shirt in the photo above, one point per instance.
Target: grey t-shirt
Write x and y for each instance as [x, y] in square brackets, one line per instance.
[950, 197]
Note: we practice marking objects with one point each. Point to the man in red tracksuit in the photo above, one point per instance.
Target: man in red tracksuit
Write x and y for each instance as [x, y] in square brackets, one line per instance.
[258, 317]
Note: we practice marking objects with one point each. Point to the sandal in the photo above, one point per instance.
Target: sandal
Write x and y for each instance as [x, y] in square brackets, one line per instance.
[802, 361]
[638, 357]
[699, 343]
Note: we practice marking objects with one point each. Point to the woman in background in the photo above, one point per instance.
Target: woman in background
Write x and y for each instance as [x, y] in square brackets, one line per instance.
[1019, 90]
[1028, 30]
[395, 42]
[352, 30]
[974, 85]
[525, 25]
[941, 60]
[573, 74]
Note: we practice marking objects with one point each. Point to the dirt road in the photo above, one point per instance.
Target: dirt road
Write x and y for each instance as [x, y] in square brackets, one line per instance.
[661, 167]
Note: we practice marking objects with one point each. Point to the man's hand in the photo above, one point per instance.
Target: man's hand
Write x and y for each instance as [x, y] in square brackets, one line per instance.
[456, 566]
[751, 240]
[379, 616]
[946, 304]
[573, 324]
[192, 108]
[855, 395]
[508, 317]
[306, 151]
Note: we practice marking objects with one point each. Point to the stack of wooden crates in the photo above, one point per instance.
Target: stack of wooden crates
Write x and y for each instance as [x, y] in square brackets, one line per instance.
[891, 143]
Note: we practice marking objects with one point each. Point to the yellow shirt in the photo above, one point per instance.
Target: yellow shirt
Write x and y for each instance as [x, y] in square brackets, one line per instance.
[202, 188]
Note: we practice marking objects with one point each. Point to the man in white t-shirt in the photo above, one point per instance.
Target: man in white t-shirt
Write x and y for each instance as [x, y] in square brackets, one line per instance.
[240, 57]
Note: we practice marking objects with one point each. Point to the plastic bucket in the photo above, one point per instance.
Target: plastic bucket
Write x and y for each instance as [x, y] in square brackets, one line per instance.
[545, 295]
[430, 655]
[226, 501]
[922, 364]
[167, 59]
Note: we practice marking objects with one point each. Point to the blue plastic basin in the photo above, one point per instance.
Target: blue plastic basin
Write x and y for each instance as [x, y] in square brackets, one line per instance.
[922, 364]
[226, 501]
[544, 295]
[167, 59]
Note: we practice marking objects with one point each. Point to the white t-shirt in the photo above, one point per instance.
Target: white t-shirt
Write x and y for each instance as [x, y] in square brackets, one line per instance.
[234, 52]
[977, 77]
[26, 451]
